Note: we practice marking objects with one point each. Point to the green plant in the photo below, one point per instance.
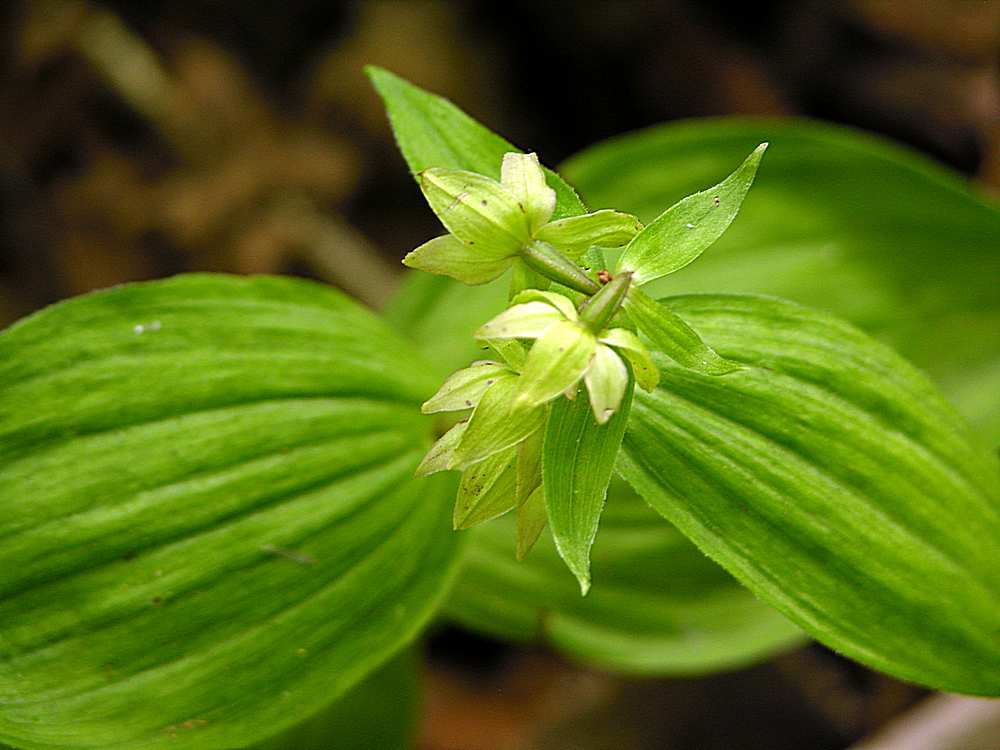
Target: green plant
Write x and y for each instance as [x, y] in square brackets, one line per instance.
[211, 528]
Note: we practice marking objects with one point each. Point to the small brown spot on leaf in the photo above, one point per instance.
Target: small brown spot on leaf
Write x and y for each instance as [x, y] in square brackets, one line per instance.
[604, 276]
[716, 202]
[156, 601]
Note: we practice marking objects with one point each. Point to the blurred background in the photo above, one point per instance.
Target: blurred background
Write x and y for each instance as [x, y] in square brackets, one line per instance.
[139, 140]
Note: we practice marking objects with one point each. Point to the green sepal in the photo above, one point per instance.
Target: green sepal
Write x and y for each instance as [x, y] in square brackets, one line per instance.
[575, 235]
[487, 490]
[555, 364]
[529, 465]
[496, 424]
[685, 230]
[562, 303]
[578, 458]
[529, 320]
[441, 456]
[531, 520]
[669, 334]
[522, 176]
[626, 343]
[449, 256]
[477, 210]
[606, 380]
[597, 312]
[464, 388]
[510, 351]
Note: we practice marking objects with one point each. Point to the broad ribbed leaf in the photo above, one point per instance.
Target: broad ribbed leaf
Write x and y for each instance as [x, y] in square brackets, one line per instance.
[838, 220]
[831, 478]
[208, 527]
[658, 605]
[578, 458]
[433, 132]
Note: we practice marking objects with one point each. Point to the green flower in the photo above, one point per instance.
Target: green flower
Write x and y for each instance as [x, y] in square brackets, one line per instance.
[570, 347]
[491, 224]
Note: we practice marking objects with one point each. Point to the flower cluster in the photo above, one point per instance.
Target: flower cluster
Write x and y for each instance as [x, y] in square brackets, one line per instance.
[557, 332]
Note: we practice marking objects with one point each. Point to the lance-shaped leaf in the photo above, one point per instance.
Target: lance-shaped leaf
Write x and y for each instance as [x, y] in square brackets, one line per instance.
[464, 388]
[575, 235]
[578, 458]
[669, 334]
[658, 605]
[432, 132]
[477, 210]
[209, 527]
[449, 256]
[496, 424]
[831, 478]
[522, 176]
[555, 363]
[488, 489]
[685, 230]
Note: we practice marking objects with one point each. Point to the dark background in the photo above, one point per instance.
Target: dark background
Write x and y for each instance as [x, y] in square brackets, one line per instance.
[139, 140]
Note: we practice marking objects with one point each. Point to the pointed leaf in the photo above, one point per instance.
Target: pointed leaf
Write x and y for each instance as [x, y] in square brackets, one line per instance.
[555, 363]
[441, 456]
[628, 344]
[522, 175]
[531, 520]
[685, 230]
[433, 132]
[606, 381]
[529, 320]
[449, 256]
[487, 490]
[831, 478]
[575, 235]
[195, 474]
[578, 458]
[465, 387]
[496, 425]
[477, 210]
[668, 333]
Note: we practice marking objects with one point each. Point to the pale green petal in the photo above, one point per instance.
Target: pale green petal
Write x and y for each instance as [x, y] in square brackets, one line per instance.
[522, 175]
[531, 519]
[448, 256]
[562, 303]
[528, 321]
[496, 425]
[529, 465]
[464, 388]
[477, 210]
[441, 455]
[606, 379]
[511, 351]
[487, 490]
[555, 363]
[575, 235]
[647, 375]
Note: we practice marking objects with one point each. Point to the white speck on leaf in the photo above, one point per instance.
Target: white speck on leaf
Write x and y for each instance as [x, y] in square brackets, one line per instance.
[690, 226]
